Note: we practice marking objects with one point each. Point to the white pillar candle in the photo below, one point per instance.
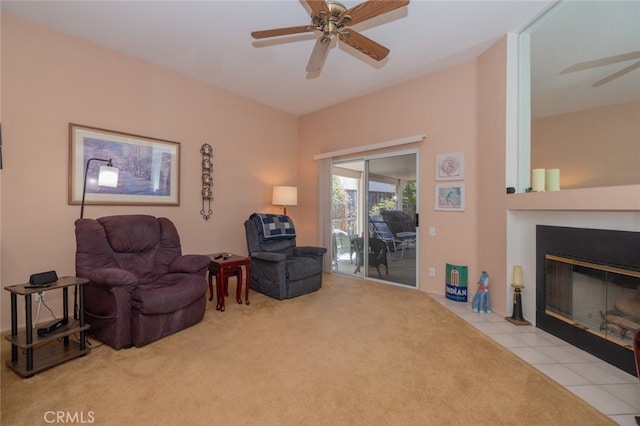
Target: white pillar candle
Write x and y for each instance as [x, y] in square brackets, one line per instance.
[553, 180]
[517, 275]
[537, 180]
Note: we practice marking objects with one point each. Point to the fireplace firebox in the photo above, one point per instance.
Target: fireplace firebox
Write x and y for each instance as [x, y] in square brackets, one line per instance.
[588, 290]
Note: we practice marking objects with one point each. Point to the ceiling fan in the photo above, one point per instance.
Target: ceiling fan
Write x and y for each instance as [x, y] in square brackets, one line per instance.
[332, 19]
[607, 61]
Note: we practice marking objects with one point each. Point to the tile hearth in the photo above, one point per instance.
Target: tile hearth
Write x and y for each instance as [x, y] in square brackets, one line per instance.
[610, 390]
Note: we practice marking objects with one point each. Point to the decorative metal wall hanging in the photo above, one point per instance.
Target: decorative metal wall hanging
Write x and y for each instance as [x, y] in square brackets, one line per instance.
[207, 180]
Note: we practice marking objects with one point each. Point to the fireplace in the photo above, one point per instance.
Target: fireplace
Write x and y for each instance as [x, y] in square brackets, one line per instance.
[588, 290]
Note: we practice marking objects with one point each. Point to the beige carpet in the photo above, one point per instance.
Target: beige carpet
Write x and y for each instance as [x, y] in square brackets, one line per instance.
[354, 353]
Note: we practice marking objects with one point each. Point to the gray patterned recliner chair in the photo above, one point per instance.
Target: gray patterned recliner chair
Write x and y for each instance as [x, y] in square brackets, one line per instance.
[279, 268]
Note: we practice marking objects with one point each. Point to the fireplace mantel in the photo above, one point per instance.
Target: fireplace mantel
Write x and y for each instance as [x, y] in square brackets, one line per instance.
[612, 198]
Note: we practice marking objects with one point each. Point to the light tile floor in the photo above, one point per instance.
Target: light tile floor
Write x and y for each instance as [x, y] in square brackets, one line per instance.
[612, 391]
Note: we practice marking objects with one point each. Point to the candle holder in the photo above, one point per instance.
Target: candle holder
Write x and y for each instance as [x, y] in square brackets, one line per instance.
[517, 318]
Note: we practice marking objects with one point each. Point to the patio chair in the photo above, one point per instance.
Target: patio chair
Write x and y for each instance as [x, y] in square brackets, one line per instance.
[377, 254]
[398, 242]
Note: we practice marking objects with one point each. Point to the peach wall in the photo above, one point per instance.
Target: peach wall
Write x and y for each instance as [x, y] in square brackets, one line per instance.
[50, 79]
[595, 147]
[441, 105]
[491, 188]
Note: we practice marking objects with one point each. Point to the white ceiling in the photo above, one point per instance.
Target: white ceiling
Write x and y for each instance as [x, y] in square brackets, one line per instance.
[210, 41]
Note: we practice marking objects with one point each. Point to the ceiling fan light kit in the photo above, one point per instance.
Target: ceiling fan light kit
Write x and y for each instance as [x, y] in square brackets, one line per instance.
[332, 19]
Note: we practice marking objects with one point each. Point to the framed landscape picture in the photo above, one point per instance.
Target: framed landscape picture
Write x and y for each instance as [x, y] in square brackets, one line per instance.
[149, 169]
[450, 197]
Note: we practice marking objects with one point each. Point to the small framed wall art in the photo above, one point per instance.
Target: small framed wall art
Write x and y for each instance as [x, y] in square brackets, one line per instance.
[450, 166]
[450, 197]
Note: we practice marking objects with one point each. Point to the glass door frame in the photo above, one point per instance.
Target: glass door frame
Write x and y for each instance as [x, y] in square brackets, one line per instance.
[363, 209]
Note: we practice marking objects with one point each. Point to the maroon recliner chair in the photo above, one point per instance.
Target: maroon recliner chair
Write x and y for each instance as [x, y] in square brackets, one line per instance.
[142, 288]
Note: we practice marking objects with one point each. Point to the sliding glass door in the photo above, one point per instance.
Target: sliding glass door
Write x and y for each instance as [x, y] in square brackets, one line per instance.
[374, 217]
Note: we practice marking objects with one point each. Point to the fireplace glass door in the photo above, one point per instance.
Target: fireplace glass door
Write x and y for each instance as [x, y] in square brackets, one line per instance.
[600, 299]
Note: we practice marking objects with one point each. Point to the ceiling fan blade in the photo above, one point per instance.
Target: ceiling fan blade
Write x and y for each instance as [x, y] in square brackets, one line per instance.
[601, 62]
[319, 54]
[616, 74]
[363, 44]
[370, 9]
[318, 6]
[281, 31]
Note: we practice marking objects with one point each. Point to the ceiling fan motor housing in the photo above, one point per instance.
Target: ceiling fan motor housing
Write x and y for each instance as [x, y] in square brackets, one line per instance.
[330, 24]
[336, 9]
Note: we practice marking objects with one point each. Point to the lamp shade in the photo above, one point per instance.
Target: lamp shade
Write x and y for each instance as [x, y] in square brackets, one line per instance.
[285, 195]
[108, 176]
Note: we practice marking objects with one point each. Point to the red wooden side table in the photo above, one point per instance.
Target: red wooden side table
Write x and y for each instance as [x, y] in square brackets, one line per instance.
[221, 265]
